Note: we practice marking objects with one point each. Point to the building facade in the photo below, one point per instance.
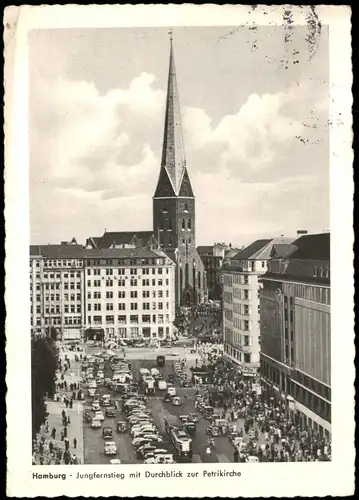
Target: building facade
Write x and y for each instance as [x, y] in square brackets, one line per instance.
[174, 214]
[240, 306]
[212, 258]
[295, 331]
[128, 293]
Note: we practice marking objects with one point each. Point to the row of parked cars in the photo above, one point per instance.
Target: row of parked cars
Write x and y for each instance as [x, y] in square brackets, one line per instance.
[146, 439]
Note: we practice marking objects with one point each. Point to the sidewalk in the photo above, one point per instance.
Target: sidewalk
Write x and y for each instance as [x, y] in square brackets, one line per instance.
[75, 428]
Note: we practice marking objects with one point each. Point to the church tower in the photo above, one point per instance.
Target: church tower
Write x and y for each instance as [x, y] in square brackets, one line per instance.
[174, 217]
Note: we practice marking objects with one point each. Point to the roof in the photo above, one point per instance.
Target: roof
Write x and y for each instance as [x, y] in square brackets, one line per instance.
[205, 249]
[251, 250]
[64, 251]
[81, 252]
[173, 154]
[280, 250]
[312, 246]
[123, 238]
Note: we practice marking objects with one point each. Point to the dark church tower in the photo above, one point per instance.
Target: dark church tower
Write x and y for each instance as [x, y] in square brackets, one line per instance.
[174, 217]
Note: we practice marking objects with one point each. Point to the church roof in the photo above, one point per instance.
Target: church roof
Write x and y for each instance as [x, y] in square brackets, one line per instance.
[124, 238]
[173, 173]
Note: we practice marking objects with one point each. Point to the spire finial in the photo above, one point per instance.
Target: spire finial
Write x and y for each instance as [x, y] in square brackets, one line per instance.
[171, 35]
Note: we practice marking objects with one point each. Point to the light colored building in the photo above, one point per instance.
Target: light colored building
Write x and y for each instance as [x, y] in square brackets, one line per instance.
[57, 288]
[295, 331]
[240, 305]
[126, 292]
[130, 293]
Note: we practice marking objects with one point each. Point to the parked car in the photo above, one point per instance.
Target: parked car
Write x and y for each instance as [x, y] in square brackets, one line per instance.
[167, 398]
[95, 406]
[100, 416]
[213, 431]
[193, 417]
[186, 383]
[176, 401]
[184, 418]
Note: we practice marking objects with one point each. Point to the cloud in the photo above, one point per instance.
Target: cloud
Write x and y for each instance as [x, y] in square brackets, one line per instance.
[251, 142]
[82, 139]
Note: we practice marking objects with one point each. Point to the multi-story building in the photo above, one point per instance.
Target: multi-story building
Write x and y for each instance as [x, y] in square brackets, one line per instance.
[130, 292]
[123, 239]
[127, 292]
[240, 306]
[295, 330]
[57, 288]
[212, 258]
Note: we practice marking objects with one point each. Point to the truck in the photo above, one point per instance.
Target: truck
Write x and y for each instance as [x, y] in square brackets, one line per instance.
[148, 385]
[170, 421]
[160, 360]
[162, 385]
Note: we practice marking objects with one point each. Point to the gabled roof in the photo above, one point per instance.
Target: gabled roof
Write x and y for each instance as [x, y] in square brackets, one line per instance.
[251, 250]
[164, 187]
[186, 188]
[280, 250]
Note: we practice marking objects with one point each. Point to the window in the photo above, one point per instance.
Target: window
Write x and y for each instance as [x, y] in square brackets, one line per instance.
[146, 294]
[97, 272]
[89, 307]
[146, 318]
[186, 207]
[78, 308]
[134, 330]
[160, 294]
[97, 295]
[109, 295]
[145, 282]
[121, 272]
[154, 293]
[160, 318]
[109, 282]
[133, 294]
[246, 357]
[133, 306]
[160, 283]
[72, 308]
[121, 294]
[121, 283]
[133, 318]
[189, 224]
[133, 271]
[160, 270]
[97, 283]
[146, 331]
[97, 307]
[153, 282]
[153, 318]
[133, 282]
[153, 305]
[109, 306]
[121, 318]
[160, 305]
[183, 224]
[160, 331]
[110, 320]
[88, 282]
[109, 272]
[146, 306]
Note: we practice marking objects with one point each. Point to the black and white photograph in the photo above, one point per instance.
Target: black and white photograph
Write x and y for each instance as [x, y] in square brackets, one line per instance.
[179, 255]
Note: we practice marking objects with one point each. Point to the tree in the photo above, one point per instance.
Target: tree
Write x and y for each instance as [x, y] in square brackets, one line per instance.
[44, 362]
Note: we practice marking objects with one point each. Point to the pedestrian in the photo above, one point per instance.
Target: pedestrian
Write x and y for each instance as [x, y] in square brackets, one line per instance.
[67, 444]
[62, 435]
[65, 432]
[63, 413]
[41, 460]
[70, 404]
[75, 442]
[53, 432]
[51, 446]
[236, 455]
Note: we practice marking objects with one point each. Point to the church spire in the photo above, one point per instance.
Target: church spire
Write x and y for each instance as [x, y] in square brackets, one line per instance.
[173, 154]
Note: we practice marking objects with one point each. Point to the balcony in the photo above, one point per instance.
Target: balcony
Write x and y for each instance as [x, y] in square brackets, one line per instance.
[246, 348]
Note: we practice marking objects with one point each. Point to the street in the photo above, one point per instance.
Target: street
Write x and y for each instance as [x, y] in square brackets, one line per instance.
[94, 443]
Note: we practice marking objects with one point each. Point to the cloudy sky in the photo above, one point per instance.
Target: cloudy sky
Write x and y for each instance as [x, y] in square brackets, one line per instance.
[255, 119]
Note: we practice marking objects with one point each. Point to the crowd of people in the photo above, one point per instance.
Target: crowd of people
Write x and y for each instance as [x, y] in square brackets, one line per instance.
[270, 431]
[52, 446]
